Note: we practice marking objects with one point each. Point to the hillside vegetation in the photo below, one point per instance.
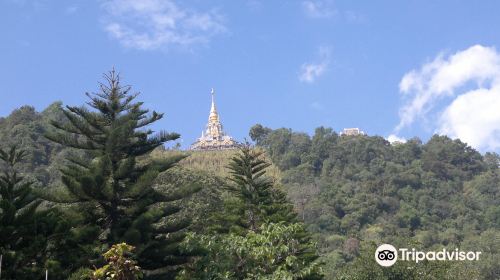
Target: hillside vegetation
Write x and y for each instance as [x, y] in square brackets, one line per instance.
[355, 190]
[352, 192]
[212, 162]
[88, 192]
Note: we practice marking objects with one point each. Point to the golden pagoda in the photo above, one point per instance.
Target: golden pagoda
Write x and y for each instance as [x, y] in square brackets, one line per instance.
[214, 138]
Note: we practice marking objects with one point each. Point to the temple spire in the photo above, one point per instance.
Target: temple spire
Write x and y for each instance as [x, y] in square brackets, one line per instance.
[214, 138]
[213, 110]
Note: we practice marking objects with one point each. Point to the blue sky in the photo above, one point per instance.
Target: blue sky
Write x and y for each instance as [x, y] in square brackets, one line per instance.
[392, 68]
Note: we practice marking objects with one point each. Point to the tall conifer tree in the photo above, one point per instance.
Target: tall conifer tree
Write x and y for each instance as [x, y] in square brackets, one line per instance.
[260, 201]
[115, 191]
[26, 232]
[258, 215]
[17, 217]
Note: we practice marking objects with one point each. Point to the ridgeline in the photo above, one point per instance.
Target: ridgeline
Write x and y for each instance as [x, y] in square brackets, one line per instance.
[352, 192]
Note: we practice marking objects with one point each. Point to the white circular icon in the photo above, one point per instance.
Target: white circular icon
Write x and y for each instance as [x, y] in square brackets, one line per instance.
[386, 255]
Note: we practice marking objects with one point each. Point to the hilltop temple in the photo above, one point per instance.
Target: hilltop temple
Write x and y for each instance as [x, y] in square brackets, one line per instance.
[214, 138]
[352, 132]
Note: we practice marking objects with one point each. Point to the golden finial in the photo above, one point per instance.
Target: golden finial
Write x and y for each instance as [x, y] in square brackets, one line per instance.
[213, 111]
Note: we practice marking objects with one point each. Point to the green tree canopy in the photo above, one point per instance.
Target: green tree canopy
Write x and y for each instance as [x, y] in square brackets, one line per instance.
[115, 192]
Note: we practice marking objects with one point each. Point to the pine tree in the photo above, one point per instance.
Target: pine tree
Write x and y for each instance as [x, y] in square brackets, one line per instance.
[24, 230]
[256, 209]
[260, 201]
[115, 191]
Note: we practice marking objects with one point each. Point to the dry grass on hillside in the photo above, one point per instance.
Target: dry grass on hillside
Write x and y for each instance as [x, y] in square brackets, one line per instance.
[214, 162]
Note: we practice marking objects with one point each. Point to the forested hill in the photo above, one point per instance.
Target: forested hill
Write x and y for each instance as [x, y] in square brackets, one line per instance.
[352, 190]
[25, 127]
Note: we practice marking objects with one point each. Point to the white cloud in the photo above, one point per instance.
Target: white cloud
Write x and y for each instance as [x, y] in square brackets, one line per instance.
[469, 81]
[326, 9]
[155, 24]
[394, 139]
[475, 118]
[319, 9]
[309, 72]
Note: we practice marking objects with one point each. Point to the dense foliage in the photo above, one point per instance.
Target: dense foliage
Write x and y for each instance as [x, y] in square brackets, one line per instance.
[29, 233]
[25, 128]
[82, 180]
[351, 190]
[17, 216]
[257, 234]
[97, 177]
[272, 252]
[113, 192]
[120, 265]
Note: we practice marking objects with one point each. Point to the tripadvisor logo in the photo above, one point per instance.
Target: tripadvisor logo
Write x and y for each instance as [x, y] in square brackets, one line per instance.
[387, 255]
